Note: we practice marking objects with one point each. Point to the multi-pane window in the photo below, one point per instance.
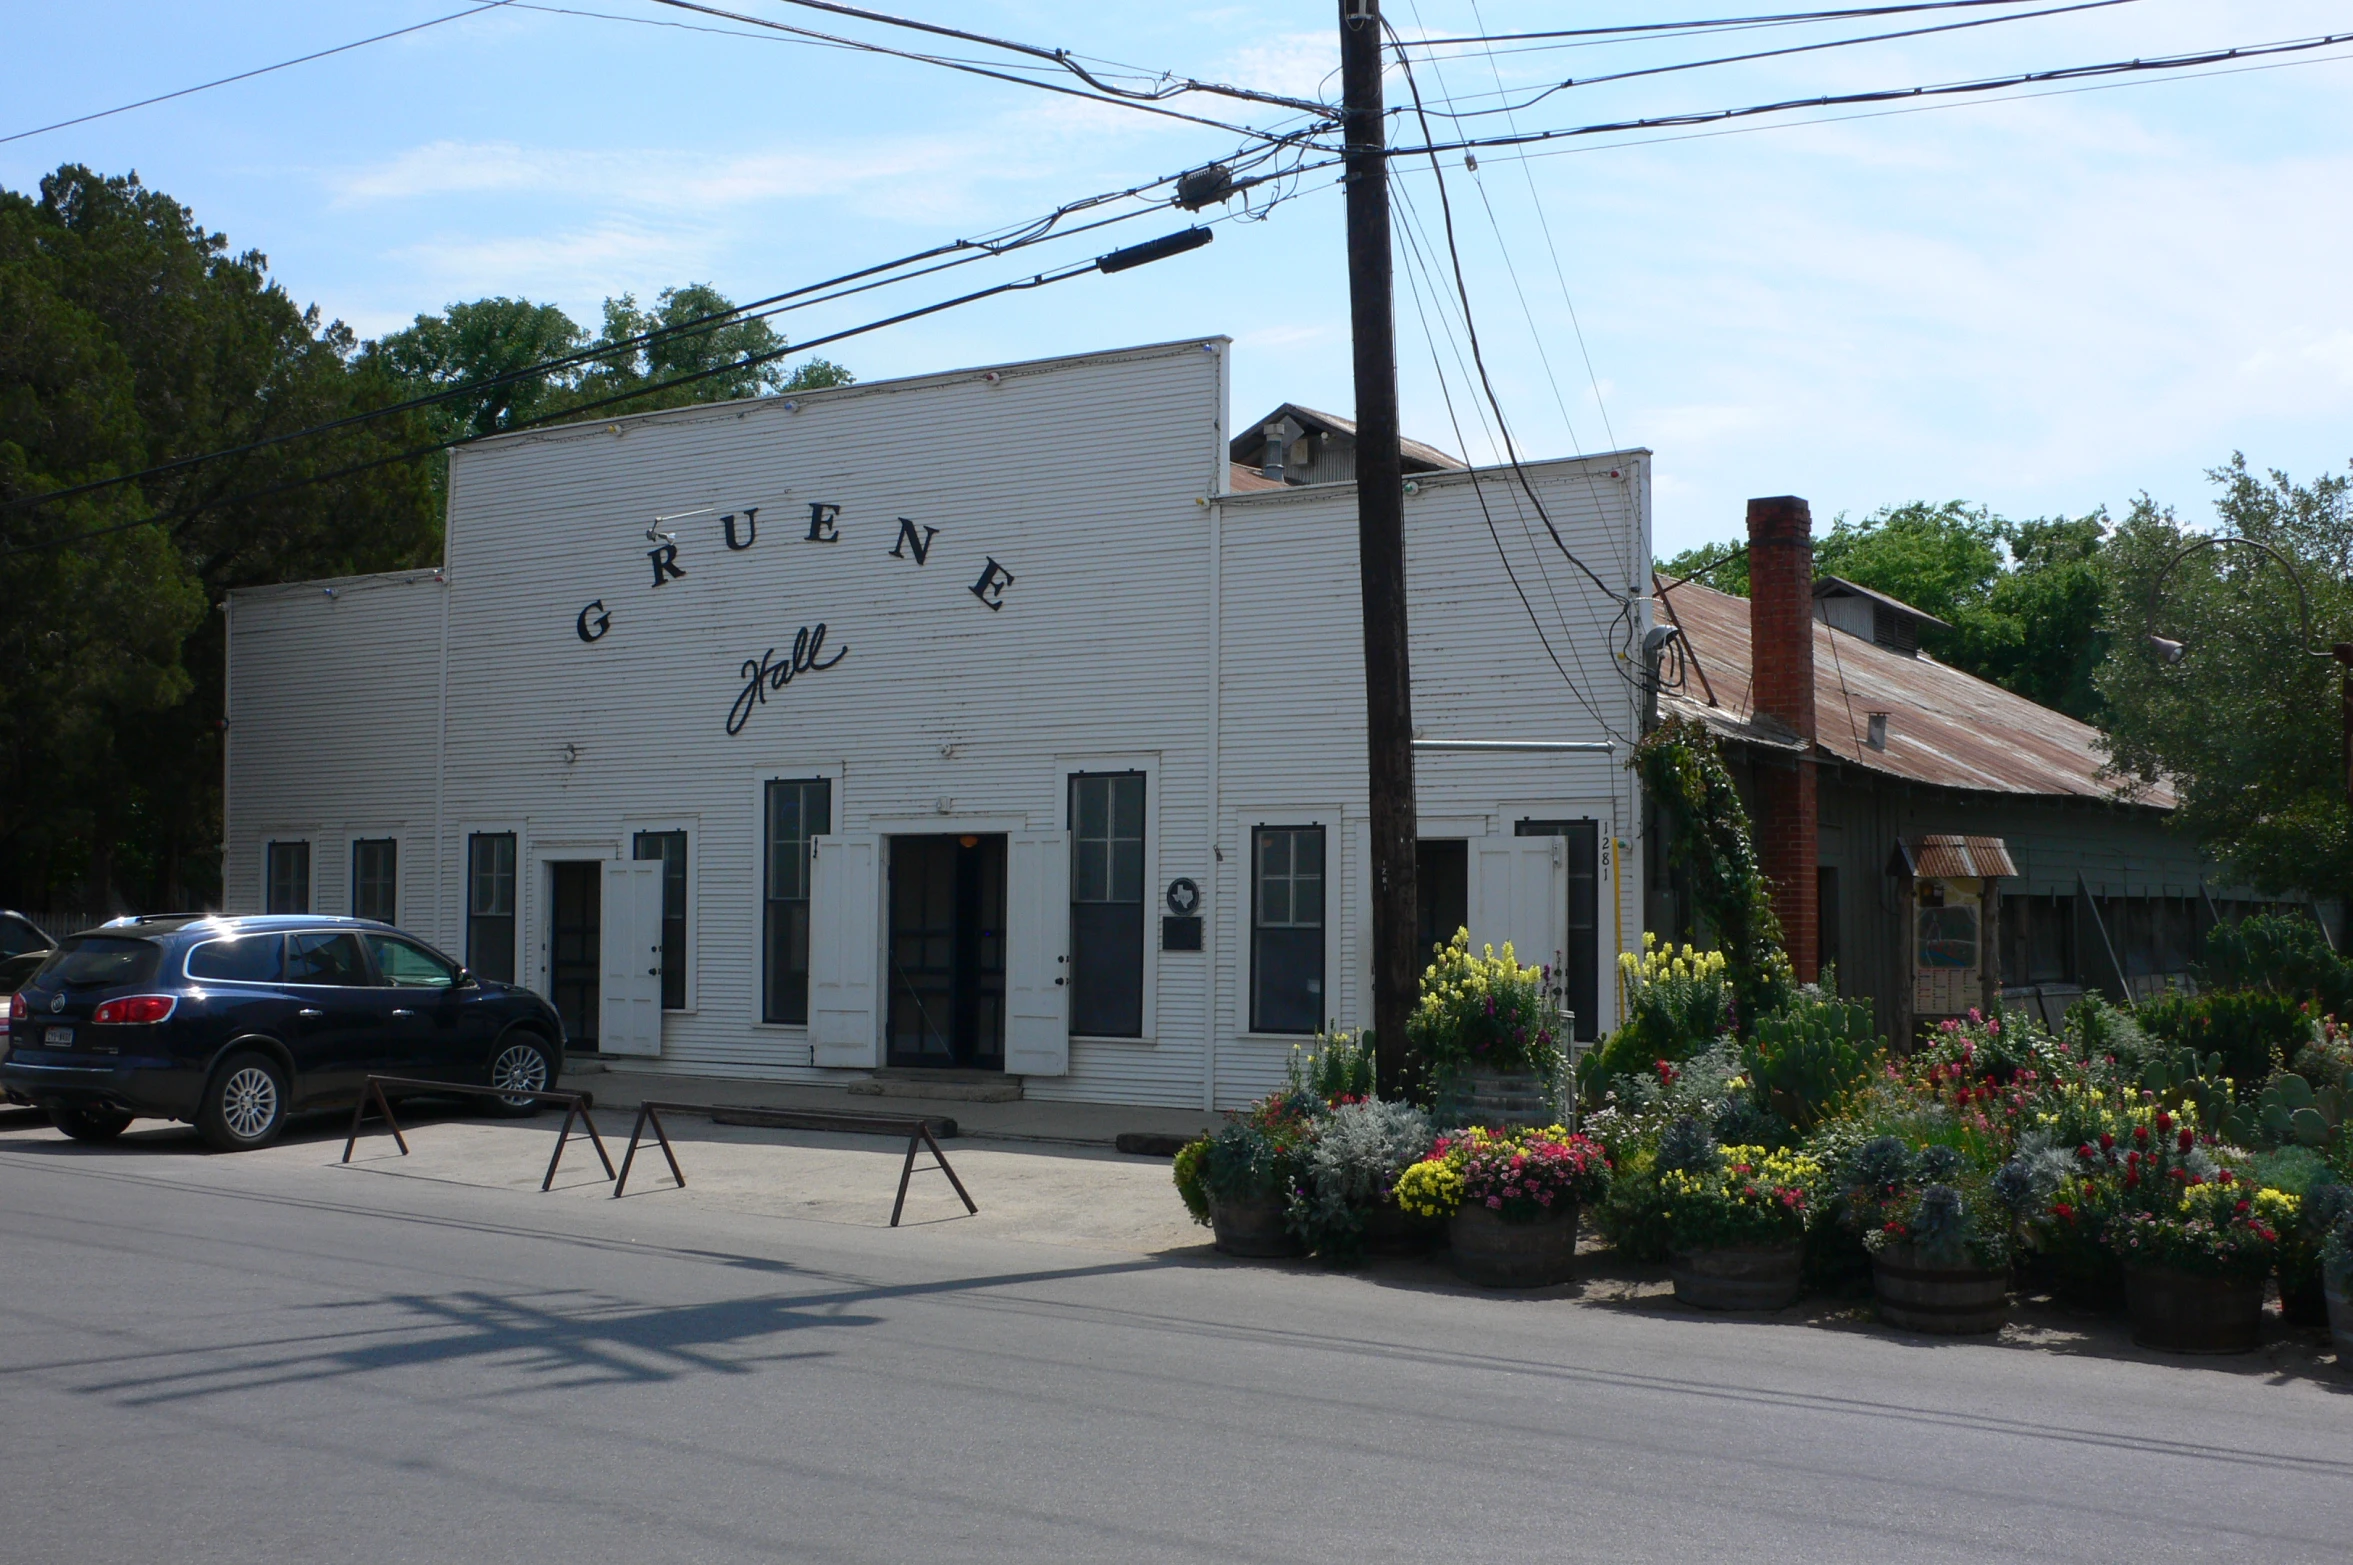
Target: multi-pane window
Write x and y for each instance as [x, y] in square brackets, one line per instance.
[1581, 947]
[375, 878]
[289, 878]
[798, 810]
[1107, 905]
[1287, 929]
[490, 905]
[670, 848]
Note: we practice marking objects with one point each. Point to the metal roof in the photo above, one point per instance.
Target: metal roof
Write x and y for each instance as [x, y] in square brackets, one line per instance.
[1952, 858]
[1945, 728]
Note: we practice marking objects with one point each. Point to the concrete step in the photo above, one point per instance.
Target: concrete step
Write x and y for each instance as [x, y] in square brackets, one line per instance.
[951, 1086]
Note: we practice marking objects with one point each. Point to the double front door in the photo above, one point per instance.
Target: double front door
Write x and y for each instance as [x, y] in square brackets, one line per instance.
[946, 951]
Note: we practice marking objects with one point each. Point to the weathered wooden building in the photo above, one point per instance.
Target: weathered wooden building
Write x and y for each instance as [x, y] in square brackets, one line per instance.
[1823, 679]
[814, 736]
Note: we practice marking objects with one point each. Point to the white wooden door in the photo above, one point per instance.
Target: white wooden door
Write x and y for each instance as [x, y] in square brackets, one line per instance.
[1037, 955]
[632, 918]
[845, 950]
[1519, 893]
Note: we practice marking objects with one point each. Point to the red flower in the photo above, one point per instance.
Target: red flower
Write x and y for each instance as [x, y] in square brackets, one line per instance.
[2140, 1135]
[2164, 1122]
[2107, 1142]
[2241, 1208]
[2223, 1177]
[2189, 1138]
[2062, 1211]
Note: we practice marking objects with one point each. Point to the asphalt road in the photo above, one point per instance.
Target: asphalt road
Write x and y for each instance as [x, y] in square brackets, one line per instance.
[280, 1359]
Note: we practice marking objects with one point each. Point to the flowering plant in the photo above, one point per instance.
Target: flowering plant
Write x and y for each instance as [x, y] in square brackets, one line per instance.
[1483, 1012]
[1678, 1000]
[1749, 1196]
[1254, 1156]
[1521, 1175]
[2221, 1227]
[1349, 1165]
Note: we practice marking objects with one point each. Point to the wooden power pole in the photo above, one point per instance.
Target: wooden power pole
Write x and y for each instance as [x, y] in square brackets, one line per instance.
[1380, 540]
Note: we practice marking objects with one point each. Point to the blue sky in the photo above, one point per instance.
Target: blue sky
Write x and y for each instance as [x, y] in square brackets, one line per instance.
[2046, 304]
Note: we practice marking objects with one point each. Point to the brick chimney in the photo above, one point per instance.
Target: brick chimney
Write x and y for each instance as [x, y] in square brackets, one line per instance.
[1781, 643]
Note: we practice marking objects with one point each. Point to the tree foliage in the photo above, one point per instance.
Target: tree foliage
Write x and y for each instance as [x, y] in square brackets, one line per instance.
[130, 336]
[2247, 724]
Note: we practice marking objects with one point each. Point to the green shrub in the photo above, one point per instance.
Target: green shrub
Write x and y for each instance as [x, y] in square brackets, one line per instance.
[1806, 1057]
[2254, 1031]
[2103, 1031]
[2279, 954]
[1350, 1166]
[1190, 1182]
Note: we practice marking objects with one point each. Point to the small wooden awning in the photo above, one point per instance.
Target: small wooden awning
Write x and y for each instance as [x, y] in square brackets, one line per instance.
[1951, 858]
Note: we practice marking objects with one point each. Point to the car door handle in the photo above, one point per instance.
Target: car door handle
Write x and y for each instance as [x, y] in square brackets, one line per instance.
[402, 1010]
[311, 1013]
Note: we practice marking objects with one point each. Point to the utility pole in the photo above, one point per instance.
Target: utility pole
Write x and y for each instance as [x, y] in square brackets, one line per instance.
[1380, 540]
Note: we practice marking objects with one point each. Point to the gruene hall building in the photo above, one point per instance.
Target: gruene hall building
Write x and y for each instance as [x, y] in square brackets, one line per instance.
[975, 720]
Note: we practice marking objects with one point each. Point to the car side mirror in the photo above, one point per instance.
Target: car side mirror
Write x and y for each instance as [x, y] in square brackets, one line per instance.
[466, 979]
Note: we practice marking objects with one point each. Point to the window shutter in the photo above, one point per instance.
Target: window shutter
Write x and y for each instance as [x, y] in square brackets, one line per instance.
[632, 917]
[1037, 955]
[845, 950]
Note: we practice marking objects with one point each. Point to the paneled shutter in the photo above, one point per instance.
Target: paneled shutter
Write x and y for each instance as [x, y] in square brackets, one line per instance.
[632, 918]
[845, 949]
[1518, 894]
[1037, 955]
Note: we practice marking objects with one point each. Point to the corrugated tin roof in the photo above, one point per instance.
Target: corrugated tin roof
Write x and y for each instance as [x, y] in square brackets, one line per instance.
[1944, 857]
[1242, 479]
[1944, 728]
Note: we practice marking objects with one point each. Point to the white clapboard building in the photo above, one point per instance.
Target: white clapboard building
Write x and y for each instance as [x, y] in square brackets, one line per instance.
[969, 720]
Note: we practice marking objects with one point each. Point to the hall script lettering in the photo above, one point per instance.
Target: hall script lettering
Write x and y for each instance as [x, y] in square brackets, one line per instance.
[767, 672]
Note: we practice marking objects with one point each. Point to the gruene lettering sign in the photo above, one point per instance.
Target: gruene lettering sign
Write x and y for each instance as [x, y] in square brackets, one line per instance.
[736, 533]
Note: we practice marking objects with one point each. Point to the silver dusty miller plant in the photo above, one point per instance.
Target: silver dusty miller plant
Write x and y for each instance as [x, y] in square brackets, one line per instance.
[1358, 1152]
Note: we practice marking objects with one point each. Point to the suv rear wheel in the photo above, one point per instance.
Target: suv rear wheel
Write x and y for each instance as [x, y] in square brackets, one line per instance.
[245, 1106]
[91, 1122]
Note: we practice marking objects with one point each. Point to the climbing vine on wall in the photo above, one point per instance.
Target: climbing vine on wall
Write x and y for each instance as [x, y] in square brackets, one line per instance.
[1708, 839]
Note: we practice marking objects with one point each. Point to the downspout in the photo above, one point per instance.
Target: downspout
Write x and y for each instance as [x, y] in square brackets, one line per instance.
[228, 734]
[1215, 795]
[441, 918]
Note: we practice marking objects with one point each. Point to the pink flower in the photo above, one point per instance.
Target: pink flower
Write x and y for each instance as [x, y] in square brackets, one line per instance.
[1495, 1202]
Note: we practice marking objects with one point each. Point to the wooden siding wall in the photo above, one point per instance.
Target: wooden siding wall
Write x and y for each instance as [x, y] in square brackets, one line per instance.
[943, 715]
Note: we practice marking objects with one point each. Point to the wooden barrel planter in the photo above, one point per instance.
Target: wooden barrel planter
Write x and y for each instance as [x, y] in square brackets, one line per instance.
[1918, 1295]
[1495, 1252]
[2340, 1324]
[1390, 1230]
[1253, 1229]
[1494, 1099]
[2184, 1312]
[1745, 1277]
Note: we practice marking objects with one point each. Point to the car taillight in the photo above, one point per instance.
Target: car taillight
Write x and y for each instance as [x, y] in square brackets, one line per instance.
[137, 1008]
[17, 1009]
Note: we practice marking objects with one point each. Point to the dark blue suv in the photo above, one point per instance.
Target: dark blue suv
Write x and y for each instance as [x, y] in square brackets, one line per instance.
[234, 1023]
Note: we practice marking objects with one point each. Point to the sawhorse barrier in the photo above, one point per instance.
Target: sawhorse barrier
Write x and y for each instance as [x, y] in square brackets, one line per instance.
[916, 1129]
[575, 1107]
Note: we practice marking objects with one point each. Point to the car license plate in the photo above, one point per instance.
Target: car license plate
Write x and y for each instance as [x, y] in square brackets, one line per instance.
[58, 1038]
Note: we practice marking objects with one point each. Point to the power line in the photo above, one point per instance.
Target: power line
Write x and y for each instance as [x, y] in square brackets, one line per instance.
[1161, 246]
[1775, 19]
[1769, 54]
[260, 70]
[1171, 85]
[1892, 94]
[1141, 103]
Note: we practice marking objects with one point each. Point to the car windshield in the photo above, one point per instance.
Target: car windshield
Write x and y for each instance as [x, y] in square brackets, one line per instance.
[89, 961]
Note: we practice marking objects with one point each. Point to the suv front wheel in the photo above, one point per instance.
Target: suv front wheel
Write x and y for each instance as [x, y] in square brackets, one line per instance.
[521, 1060]
[245, 1106]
